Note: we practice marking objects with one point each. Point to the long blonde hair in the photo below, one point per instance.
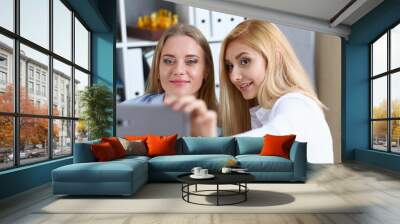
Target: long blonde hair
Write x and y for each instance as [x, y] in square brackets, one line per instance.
[284, 73]
[207, 89]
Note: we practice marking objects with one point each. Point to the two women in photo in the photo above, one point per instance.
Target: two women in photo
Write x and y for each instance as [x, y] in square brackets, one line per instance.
[264, 88]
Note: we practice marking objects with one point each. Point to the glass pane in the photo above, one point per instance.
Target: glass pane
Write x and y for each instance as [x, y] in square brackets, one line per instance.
[62, 138]
[379, 135]
[6, 142]
[62, 30]
[395, 94]
[62, 89]
[395, 136]
[35, 21]
[379, 97]
[34, 94]
[379, 55]
[6, 74]
[81, 45]
[81, 131]
[395, 47]
[7, 14]
[81, 81]
[33, 139]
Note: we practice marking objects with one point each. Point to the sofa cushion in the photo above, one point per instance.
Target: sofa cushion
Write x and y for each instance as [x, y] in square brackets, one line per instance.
[161, 145]
[257, 163]
[249, 145]
[111, 171]
[134, 147]
[116, 145]
[103, 151]
[207, 145]
[185, 163]
[83, 152]
[277, 145]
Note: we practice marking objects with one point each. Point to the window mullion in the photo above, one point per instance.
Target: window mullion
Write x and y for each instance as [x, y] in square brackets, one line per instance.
[73, 83]
[16, 84]
[389, 106]
[50, 81]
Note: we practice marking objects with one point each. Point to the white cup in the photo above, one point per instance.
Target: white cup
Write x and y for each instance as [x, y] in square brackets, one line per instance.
[203, 172]
[196, 170]
[226, 170]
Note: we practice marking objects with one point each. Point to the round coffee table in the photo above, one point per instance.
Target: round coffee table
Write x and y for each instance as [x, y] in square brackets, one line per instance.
[238, 179]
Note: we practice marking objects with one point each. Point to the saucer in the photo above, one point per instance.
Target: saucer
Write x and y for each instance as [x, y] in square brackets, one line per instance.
[208, 176]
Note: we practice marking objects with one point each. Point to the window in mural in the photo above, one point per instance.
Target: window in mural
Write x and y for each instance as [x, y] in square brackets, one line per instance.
[385, 91]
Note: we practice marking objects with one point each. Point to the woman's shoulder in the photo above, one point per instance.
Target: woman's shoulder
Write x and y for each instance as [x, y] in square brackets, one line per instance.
[296, 97]
[148, 98]
[296, 101]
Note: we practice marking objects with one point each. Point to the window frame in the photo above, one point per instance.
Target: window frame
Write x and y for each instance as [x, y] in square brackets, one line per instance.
[388, 74]
[16, 114]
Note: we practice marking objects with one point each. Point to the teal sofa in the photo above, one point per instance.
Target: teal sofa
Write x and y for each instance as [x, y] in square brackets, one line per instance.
[125, 176]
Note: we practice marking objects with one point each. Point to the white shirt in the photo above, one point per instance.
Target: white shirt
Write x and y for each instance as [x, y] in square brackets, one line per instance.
[295, 113]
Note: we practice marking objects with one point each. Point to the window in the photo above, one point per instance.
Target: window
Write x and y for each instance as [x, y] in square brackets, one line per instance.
[3, 71]
[3, 78]
[43, 90]
[56, 125]
[30, 72]
[3, 61]
[30, 87]
[385, 91]
[38, 89]
[7, 14]
[37, 74]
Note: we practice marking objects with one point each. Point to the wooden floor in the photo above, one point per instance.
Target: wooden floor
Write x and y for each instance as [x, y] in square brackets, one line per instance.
[378, 188]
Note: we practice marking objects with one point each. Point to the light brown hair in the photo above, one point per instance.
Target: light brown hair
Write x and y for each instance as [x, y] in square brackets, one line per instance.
[207, 89]
[284, 73]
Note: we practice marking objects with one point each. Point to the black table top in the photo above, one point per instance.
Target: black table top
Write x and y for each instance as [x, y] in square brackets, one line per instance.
[220, 178]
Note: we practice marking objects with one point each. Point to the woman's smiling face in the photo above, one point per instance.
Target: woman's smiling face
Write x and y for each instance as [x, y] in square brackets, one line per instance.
[182, 66]
[246, 68]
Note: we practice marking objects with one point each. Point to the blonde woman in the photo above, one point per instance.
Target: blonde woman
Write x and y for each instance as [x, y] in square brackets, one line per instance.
[265, 90]
[182, 69]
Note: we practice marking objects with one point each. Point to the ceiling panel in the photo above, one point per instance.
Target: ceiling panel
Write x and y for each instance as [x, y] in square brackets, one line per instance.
[321, 9]
[325, 16]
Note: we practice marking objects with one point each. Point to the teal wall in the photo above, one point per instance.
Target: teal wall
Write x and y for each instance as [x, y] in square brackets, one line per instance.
[356, 100]
[100, 17]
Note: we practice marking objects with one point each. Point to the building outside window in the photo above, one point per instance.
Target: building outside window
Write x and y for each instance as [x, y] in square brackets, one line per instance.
[385, 91]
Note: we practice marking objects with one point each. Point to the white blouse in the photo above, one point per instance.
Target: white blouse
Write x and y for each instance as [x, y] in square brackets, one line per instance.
[295, 113]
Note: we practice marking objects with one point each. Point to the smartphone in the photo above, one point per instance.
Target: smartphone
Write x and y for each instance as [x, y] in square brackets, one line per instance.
[142, 119]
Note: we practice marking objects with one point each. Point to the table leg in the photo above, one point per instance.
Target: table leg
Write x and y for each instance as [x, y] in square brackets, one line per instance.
[196, 188]
[217, 194]
[245, 191]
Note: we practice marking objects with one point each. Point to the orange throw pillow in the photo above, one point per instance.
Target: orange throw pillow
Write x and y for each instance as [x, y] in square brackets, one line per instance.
[103, 151]
[136, 137]
[161, 145]
[277, 145]
[116, 145]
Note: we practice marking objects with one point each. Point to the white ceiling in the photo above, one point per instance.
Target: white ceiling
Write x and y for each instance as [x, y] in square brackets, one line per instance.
[324, 16]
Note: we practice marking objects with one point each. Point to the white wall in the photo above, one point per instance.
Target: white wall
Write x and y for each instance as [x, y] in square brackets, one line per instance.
[328, 80]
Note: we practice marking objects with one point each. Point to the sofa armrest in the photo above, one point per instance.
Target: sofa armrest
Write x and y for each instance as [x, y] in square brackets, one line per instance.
[83, 152]
[298, 155]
